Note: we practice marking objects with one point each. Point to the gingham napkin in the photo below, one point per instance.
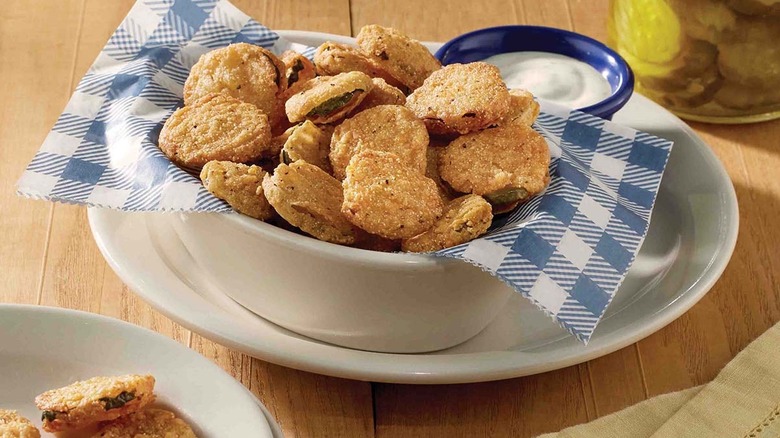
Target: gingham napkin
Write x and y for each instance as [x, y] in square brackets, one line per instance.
[567, 250]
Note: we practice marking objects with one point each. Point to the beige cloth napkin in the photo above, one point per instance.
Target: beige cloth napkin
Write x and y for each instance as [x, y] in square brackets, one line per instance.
[742, 402]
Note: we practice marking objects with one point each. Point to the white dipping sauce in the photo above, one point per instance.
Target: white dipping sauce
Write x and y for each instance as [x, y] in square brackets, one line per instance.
[554, 77]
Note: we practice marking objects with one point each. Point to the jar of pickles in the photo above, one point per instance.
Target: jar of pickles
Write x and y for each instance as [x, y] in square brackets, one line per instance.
[708, 60]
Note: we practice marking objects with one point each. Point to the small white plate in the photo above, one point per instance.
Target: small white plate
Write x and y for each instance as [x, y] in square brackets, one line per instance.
[43, 348]
[692, 235]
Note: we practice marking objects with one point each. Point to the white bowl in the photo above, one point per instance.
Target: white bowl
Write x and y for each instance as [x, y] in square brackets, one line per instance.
[403, 303]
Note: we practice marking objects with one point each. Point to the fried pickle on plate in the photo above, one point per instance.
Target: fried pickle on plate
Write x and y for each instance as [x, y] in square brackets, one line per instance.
[298, 70]
[387, 128]
[385, 196]
[149, 423]
[93, 400]
[461, 98]
[309, 143]
[239, 185]
[245, 71]
[13, 425]
[523, 108]
[506, 165]
[327, 99]
[310, 199]
[464, 219]
[334, 58]
[216, 127]
[381, 94]
[404, 58]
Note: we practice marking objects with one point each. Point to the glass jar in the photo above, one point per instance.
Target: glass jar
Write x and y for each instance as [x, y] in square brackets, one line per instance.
[707, 60]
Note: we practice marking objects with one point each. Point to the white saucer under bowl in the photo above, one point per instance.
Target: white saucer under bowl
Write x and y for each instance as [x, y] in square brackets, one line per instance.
[44, 348]
[691, 238]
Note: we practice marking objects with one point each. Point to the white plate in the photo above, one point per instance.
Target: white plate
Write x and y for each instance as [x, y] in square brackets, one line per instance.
[43, 348]
[691, 238]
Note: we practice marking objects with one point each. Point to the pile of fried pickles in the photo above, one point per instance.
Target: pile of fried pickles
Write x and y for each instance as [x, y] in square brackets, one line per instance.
[375, 146]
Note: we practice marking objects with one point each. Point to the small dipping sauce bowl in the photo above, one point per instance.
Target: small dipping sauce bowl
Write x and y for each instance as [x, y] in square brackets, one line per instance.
[484, 43]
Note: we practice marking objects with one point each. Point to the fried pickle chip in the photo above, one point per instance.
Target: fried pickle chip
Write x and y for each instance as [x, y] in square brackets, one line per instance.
[432, 171]
[310, 199]
[405, 59]
[504, 164]
[387, 128]
[334, 58]
[381, 94]
[523, 108]
[385, 196]
[216, 127]
[13, 425]
[309, 143]
[461, 98]
[298, 70]
[464, 219]
[328, 99]
[245, 71]
[149, 423]
[239, 185]
[94, 400]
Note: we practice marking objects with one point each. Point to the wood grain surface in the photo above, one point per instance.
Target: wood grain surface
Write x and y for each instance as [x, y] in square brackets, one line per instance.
[48, 256]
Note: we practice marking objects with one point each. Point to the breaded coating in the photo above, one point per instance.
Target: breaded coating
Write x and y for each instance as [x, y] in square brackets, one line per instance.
[387, 128]
[504, 164]
[522, 107]
[307, 197]
[432, 171]
[309, 143]
[149, 423]
[239, 185]
[404, 58]
[464, 219]
[216, 127]
[298, 70]
[461, 98]
[334, 58]
[381, 94]
[385, 196]
[245, 71]
[328, 99]
[94, 400]
[13, 425]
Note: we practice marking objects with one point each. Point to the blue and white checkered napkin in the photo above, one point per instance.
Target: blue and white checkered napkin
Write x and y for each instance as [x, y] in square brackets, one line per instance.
[567, 250]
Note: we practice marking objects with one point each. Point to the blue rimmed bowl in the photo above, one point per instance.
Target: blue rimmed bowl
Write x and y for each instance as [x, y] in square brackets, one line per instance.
[484, 43]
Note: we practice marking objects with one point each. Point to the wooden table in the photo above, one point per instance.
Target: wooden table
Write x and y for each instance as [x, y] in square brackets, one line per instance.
[48, 256]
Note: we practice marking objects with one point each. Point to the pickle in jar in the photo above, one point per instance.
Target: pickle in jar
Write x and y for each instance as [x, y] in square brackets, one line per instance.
[647, 33]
